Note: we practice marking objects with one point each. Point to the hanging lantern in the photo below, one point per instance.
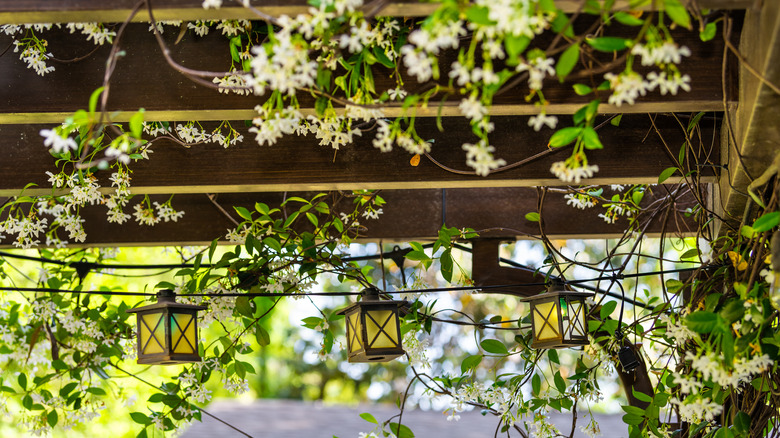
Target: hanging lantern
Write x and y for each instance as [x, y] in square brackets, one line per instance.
[167, 331]
[373, 328]
[558, 318]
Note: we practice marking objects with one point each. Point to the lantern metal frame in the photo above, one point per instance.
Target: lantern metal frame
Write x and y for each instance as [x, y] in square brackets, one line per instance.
[362, 345]
[177, 325]
[561, 316]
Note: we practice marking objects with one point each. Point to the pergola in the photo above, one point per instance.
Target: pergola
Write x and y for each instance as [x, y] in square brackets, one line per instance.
[734, 85]
[740, 123]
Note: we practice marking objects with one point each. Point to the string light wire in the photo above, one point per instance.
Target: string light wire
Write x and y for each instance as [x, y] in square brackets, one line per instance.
[495, 288]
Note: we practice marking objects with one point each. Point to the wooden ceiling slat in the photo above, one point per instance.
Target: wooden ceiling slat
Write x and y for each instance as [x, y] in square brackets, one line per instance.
[408, 214]
[633, 153]
[143, 79]
[62, 11]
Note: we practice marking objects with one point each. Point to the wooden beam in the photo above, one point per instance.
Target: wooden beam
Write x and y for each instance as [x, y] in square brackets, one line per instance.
[143, 79]
[754, 141]
[408, 215]
[63, 11]
[633, 153]
[487, 271]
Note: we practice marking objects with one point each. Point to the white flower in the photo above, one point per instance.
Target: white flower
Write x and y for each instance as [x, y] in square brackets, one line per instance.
[480, 157]
[396, 93]
[567, 174]
[627, 87]
[537, 69]
[167, 213]
[542, 119]
[579, 201]
[56, 142]
[144, 216]
[460, 73]
[472, 108]
[216, 4]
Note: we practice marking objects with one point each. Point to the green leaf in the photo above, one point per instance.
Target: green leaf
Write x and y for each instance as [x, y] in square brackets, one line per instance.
[446, 265]
[140, 418]
[368, 417]
[628, 19]
[262, 336]
[742, 422]
[608, 44]
[677, 13]
[273, 244]
[591, 139]
[244, 306]
[59, 365]
[493, 346]
[732, 311]
[536, 384]
[532, 216]
[673, 286]
[702, 321]
[709, 32]
[96, 391]
[633, 419]
[417, 255]
[234, 53]
[641, 396]
[381, 56]
[243, 212]
[553, 356]
[137, 124]
[560, 383]
[479, 15]
[93, 99]
[669, 171]
[567, 61]
[401, 431]
[564, 136]
[767, 222]
[320, 105]
[514, 47]
[607, 309]
[616, 120]
[633, 410]
[582, 89]
[470, 363]
[22, 380]
[52, 418]
[691, 253]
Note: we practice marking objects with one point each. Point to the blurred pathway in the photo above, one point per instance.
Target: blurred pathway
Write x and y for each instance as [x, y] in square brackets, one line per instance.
[295, 419]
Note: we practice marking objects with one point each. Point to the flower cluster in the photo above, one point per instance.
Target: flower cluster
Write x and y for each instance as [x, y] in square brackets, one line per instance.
[573, 170]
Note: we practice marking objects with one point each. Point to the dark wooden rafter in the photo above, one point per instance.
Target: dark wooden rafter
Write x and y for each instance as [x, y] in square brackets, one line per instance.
[634, 153]
[409, 214]
[143, 79]
[50, 11]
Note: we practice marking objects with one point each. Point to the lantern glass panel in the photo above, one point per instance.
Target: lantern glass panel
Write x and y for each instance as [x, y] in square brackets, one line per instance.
[381, 329]
[182, 333]
[578, 319]
[546, 321]
[353, 332]
[152, 333]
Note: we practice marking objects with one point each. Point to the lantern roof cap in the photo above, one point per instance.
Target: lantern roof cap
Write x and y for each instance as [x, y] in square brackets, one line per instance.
[166, 298]
[370, 297]
[558, 293]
